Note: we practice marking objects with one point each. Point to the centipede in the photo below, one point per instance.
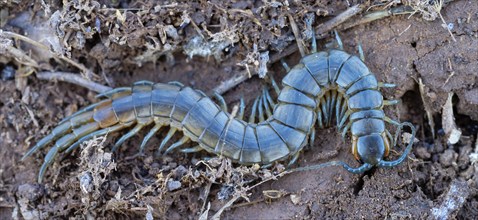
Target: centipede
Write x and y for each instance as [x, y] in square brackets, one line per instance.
[326, 86]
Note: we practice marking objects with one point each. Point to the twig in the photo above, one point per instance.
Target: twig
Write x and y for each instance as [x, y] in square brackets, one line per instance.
[376, 15]
[298, 39]
[339, 19]
[35, 43]
[431, 123]
[73, 78]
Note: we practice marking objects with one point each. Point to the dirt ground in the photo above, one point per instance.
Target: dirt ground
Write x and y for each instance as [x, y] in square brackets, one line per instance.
[432, 56]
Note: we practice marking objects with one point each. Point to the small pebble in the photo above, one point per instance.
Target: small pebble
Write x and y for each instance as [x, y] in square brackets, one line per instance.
[8, 73]
[448, 157]
[32, 192]
[86, 182]
[173, 185]
[180, 171]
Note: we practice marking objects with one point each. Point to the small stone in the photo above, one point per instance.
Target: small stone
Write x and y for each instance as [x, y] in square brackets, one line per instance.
[422, 152]
[295, 199]
[31, 192]
[173, 185]
[448, 157]
[86, 182]
[180, 171]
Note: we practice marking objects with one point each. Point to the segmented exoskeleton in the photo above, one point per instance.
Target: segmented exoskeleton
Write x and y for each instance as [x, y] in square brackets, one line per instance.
[323, 83]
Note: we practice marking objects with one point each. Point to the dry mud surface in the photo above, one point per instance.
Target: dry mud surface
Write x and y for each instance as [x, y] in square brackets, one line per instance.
[155, 41]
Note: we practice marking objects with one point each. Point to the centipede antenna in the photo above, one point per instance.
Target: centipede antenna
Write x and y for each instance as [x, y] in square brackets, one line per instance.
[386, 85]
[364, 167]
[360, 50]
[339, 41]
[405, 152]
[285, 65]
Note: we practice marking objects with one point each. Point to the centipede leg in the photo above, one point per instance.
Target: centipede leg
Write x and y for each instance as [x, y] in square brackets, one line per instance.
[346, 128]
[339, 41]
[179, 143]
[312, 136]
[150, 134]
[260, 110]
[333, 100]
[344, 118]
[323, 104]
[170, 134]
[221, 100]
[329, 107]
[390, 102]
[242, 107]
[274, 84]
[294, 159]
[360, 50]
[308, 22]
[266, 103]
[252, 117]
[65, 141]
[386, 85]
[269, 99]
[192, 149]
[319, 118]
[390, 137]
[101, 132]
[176, 83]
[58, 131]
[285, 65]
[338, 110]
[128, 135]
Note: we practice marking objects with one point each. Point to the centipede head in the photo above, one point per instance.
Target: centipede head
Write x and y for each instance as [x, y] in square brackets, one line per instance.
[370, 149]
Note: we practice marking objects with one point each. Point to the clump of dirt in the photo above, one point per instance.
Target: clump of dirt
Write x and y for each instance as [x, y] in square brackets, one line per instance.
[203, 44]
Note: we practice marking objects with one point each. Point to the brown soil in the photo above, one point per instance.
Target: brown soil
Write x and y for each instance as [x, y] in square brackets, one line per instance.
[153, 42]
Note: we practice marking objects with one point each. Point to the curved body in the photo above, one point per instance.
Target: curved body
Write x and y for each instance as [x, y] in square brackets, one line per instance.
[323, 85]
